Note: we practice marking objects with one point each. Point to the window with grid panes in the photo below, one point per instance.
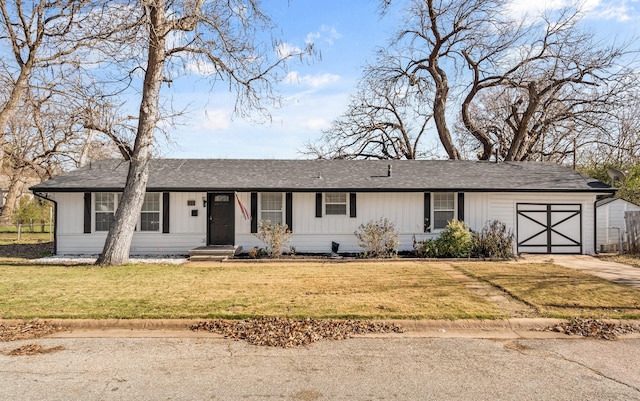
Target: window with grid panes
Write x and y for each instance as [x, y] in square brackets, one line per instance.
[335, 203]
[105, 208]
[271, 207]
[443, 209]
[150, 214]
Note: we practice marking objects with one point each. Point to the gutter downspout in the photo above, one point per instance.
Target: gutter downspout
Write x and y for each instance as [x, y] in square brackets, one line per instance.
[55, 220]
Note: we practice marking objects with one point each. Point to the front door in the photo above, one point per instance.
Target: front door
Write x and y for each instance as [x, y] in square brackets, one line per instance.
[221, 212]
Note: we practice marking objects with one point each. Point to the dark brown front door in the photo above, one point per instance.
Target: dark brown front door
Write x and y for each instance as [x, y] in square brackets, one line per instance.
[221, 208]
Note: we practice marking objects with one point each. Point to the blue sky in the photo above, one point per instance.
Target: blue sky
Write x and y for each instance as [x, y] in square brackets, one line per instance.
[346, 32]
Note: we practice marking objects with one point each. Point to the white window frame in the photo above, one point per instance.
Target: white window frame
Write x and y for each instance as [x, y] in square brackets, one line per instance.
[158, 212]
[327, 203]
[96, 211]
[281, 211]
[116, 202]
[434, 209]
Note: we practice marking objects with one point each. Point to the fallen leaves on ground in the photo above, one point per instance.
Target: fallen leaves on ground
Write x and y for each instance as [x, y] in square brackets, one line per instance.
[27, 330]
[594, 328]
[33, 349]
[286, 332]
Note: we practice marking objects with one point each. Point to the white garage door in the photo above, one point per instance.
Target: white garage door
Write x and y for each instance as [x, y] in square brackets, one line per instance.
[549, 228]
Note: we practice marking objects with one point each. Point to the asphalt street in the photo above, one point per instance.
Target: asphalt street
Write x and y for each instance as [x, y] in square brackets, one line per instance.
[396, 367]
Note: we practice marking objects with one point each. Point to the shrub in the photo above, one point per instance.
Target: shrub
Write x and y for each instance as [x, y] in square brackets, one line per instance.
[379, 238]
[274, 236]
[494, 241]
[427, 248]
[454, 242]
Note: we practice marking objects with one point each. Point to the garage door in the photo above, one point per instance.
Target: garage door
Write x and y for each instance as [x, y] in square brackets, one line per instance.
[549, 228]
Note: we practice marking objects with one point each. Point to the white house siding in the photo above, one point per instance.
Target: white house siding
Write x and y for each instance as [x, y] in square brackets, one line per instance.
[611, 215]
[187, 231]
[482, 207]
[310, 234]
[315, 234]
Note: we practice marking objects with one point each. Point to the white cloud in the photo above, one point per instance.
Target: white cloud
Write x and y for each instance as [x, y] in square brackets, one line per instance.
[316, 124]
[215, 120]
[619, 10]
[199, 67]
[327, 34]
[313, 81]
[285, 50]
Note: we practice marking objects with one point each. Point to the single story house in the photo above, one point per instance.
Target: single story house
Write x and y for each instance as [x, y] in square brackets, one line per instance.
[199, 202]
[611, 227]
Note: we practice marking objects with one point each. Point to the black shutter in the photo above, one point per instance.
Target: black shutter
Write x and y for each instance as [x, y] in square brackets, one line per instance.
[352, 204]
[460, 206]
[318, 204]
[427, 212]
[254, 212]
[288, 199]
[87, 212]
[165, 212]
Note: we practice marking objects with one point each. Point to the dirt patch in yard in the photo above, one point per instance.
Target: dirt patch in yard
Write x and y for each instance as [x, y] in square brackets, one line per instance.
[27, 251]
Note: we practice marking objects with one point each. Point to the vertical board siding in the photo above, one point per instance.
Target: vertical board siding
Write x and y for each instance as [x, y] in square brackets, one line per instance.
[311, 234]
[611, 215]
[181, 220]
[70, 212]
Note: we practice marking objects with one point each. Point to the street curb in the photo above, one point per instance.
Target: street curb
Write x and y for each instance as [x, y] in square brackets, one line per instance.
[408, 325]
[516, 328]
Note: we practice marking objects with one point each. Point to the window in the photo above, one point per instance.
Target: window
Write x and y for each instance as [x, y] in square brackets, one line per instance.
[271, 207]
[150, 214]
[105, 205]
[443, 209]
[335, 203]
[105, 208]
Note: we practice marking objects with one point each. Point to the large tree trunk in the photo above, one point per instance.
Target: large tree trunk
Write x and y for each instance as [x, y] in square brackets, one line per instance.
[440, 111]
[118, 242]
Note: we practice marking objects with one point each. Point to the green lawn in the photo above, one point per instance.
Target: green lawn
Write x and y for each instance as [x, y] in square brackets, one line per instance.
[557, 291]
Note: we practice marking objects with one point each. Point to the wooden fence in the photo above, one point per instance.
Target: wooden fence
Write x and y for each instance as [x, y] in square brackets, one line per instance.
[632, 221]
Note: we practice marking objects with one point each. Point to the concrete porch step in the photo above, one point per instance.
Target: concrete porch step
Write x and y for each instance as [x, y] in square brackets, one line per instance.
[214, 252]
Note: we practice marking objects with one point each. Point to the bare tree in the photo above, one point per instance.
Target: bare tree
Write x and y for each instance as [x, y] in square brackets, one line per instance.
[537, 88]
[387, 118]
[221, 35]
[549, 95]
[46, 35]
[432, 39]
[41, 141]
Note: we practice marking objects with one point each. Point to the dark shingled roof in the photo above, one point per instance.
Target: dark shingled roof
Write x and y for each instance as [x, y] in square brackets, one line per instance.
[329, 175]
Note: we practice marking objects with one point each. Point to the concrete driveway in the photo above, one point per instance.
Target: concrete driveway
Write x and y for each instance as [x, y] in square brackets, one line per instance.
[616, 272]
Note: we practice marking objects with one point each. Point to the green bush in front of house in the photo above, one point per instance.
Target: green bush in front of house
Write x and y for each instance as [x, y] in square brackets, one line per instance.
[455, 241]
